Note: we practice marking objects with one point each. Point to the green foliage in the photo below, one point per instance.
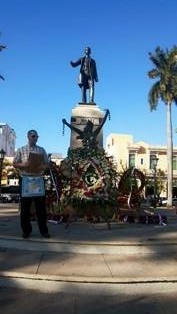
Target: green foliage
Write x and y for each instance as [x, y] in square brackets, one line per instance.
[165, 70]
[165, 89]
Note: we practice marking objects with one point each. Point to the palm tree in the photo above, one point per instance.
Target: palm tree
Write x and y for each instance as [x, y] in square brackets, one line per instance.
[165, 90]
[1, 48]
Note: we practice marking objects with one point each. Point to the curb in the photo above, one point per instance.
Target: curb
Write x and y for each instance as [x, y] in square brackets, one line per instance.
[85, 287]
[82, 279]
[88, 247]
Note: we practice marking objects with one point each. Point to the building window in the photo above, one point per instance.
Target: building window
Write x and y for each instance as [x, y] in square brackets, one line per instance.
[112, 141]
[152, 157]
[141, 161]
[174, 162]
[131, 160]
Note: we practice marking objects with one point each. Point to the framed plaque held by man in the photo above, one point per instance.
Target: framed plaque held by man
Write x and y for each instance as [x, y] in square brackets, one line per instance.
[32, 186]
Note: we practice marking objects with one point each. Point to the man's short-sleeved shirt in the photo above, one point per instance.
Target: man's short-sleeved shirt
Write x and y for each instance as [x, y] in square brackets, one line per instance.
[22, 155]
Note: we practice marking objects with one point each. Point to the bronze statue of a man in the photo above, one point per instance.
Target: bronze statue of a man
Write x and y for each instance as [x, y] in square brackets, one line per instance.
[87, 76]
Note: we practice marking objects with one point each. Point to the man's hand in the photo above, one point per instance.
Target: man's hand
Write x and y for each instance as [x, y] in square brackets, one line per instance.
[21, 165]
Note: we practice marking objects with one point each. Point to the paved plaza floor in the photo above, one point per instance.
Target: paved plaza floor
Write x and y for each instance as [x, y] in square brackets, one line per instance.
[129, 264]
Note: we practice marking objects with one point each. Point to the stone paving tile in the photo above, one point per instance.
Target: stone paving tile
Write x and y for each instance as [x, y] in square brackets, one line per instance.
[67, 264]
[142, 266]
[19, 261]
[15, 301]
[124, 304]
[25, 301]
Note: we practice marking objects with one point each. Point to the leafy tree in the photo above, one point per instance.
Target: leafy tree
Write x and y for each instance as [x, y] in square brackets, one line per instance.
[165, 90]
[8, 171]
[160, 181]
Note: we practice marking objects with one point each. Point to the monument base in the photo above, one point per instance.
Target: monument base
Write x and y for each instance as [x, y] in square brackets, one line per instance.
[85, 103]
[81, 113]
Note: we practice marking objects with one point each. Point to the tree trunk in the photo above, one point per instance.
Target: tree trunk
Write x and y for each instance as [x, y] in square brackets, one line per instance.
[169, 155]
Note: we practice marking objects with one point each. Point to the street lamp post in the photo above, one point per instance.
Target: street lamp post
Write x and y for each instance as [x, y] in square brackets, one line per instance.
[2, 155]
[155, 161]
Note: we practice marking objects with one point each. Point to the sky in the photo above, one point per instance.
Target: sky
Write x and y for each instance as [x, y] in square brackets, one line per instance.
[40, 87]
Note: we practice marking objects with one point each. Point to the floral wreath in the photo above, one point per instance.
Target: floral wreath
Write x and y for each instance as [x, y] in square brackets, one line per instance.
[89, 181]
[92, 178]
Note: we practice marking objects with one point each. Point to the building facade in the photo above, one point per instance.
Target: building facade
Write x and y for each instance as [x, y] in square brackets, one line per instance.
[7, 139]
[141, 155]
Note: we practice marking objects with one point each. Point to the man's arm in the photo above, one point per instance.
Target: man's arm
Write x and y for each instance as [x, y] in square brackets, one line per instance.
[17, 161]
[20, 165]
[46, 163]
[76, 63]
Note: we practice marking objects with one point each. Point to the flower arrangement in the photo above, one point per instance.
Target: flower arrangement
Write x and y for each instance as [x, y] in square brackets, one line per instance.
[93, 180]
[88, 182]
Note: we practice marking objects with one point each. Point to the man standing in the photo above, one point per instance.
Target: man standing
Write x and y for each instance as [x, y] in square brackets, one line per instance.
[32, 160]
[88, 75]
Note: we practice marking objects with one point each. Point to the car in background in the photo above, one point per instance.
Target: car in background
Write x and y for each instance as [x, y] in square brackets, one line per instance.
[9, 198]
[163, 201]
[174, 201]
[3, 199]
[15, 198]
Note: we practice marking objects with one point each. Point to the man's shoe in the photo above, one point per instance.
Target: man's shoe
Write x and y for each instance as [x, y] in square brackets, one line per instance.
[45, 235]
[25, 235]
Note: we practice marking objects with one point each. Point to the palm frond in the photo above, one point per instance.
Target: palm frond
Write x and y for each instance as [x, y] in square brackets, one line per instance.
[158, 58]
[165, 62]
[153, 96]
[153, 73]
[2, 47]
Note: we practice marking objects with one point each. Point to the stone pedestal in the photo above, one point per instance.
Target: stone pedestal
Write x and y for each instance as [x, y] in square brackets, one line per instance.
[79, 117]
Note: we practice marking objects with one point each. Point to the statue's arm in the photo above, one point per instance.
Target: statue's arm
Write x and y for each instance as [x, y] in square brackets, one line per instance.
[102, 123]
[72, 127]
[76, 63]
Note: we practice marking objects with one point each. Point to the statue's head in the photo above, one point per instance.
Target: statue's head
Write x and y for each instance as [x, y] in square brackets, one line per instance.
[87, 50]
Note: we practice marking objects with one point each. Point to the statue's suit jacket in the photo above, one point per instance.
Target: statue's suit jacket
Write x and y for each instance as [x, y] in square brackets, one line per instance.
[93, 70]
